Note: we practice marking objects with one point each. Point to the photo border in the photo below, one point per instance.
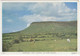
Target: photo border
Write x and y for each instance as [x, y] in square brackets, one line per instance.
[78, 23]
[39, 0]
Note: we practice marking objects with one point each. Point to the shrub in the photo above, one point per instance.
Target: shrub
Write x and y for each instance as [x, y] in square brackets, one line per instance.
[21, 38]
[31, 40]
[20, 50]
[36, 39]
[5, 46]
[16, 41]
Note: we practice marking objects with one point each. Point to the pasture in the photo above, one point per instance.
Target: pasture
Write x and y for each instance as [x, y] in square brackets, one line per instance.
[45, 46]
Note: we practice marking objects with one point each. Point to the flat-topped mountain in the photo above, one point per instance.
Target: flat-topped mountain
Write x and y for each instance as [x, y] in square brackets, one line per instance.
[50, 26]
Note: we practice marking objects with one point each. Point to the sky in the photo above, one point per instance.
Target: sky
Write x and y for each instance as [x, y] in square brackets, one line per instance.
[18, 16]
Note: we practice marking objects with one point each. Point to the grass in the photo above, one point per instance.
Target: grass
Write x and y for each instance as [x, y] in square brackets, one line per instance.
[46, 46]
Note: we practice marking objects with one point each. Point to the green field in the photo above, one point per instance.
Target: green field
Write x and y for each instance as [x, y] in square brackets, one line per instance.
[45, 46]
[41, 36]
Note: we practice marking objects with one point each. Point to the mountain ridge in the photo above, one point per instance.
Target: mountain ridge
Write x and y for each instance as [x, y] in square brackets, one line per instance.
[51, 24]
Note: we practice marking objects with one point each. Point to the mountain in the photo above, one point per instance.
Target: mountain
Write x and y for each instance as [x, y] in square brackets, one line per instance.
[48, 27]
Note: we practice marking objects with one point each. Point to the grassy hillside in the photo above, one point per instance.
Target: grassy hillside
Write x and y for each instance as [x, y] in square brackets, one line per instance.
[51, 27]
[45, 27]
[42, 34]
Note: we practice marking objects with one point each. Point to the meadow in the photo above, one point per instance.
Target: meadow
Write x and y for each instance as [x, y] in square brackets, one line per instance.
[43, 37]
[45, 46]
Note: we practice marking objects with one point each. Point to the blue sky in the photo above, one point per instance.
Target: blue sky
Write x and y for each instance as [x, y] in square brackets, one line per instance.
[18, 16]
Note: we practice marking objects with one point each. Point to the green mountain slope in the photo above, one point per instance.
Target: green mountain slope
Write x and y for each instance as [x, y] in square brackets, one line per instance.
[51, 27]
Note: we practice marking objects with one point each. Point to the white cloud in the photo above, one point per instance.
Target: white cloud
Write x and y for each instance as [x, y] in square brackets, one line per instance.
[50, 12]
[42, 11]
[36, 18]
[16, 6]
[9, 20]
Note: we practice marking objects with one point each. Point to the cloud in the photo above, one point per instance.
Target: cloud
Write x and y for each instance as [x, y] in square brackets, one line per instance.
[42, 11]
[51, 9]
[16, 6]
[34, 18]
[38, 18]
[9, 20]
[49, 12]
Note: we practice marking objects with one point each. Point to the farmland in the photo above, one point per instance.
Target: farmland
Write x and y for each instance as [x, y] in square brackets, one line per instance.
[43, 37]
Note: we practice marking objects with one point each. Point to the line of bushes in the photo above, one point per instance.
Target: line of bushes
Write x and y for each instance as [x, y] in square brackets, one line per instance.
[7, 44]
